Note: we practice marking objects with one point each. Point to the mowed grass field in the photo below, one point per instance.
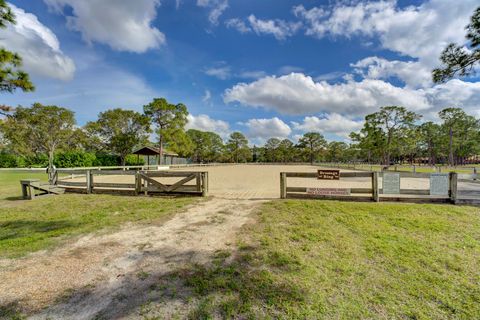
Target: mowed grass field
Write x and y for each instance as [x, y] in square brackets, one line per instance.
[28, 226]
[334, 260]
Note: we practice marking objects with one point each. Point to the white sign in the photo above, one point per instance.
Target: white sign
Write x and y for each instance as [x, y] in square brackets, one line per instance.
[439, 184]
[391, 183]
[329, 191]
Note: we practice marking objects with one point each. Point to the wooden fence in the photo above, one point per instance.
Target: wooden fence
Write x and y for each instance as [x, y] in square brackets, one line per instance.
[375, 191]
[143, 182]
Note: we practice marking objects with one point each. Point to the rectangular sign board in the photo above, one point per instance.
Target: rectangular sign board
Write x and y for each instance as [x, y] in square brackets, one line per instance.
[439, 184]
[328, 175]
[329, 191]
[391, 183]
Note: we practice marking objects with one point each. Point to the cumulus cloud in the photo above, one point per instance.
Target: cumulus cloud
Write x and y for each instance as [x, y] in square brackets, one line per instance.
[217, 8]
[124, 25]
[416, 31]
[38, 46]
[414, 74]
[205, 123]
[95, 88]
[267, 128]
[299, 94]
[330, 123]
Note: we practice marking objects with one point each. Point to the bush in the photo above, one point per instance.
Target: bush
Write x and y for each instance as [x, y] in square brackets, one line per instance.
[11, 161]
[70, 159]
[106, 160]
[132, 160]
[37, 161]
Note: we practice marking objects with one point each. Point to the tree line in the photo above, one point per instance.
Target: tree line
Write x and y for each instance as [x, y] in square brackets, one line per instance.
[391, 135]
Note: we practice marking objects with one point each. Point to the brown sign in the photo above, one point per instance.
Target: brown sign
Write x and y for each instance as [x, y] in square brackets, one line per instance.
[328, 175]
[329, 191]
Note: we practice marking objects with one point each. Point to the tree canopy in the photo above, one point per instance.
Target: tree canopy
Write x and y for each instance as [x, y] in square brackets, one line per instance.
[120, 131]
[170, 120]
[39, 129]
[11, 77]
[460, 60]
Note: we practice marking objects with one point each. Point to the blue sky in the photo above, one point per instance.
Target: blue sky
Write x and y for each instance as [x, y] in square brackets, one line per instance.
[266, 68]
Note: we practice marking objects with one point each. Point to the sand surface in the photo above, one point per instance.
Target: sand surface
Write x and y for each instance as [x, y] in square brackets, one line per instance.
[263, 181]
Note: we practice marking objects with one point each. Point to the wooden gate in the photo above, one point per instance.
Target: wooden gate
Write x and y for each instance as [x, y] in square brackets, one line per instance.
[146, 183]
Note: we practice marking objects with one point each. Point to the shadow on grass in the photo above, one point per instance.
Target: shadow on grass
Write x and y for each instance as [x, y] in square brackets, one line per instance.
[226, 287]
[21, 228]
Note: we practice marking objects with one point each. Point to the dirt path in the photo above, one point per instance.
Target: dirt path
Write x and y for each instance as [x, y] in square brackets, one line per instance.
[110, 275]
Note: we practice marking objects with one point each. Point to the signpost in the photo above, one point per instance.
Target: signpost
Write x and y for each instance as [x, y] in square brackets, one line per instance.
[328, 175]
[329, 191]
[391, 183]
[439, 184]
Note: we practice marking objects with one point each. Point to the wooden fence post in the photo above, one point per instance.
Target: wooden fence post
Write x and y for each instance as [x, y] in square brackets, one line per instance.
[283, 185]
[145, 185]
[88, 176]
[138, 183]
[204, 184]
[453, 187]
[375, 191]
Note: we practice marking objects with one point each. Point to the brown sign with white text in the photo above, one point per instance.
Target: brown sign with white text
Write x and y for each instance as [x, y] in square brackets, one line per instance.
[328, 175]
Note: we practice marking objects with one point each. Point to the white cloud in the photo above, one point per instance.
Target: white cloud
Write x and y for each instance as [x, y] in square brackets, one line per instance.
[297, 93]
[38, 46]
[416, 31]
[124, 25]
[331, 123]
[207, 97]
[205, 123]
[267, 128]
[280, 29]
[238, 24]
[222, 72]
[414, 74]
[217, 8]
[95, 88]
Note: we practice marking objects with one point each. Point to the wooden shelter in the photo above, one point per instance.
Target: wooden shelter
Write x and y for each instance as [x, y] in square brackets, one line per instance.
[151, 151]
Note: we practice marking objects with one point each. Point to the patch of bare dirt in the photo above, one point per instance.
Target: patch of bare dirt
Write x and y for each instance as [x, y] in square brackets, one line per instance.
[109, 275]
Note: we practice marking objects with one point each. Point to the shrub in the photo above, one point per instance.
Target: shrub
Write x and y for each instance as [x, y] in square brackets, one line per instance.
[8, 160]
[70, 159]
[132, 160]
[105, 160]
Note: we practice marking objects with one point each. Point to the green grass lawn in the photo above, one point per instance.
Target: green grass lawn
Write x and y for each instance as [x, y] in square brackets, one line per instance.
[339, 260]
[27, 226]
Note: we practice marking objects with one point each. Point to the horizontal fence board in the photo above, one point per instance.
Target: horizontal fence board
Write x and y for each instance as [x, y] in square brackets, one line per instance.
[71, 184]
[414, 199]
[356, 174]
[291, 195]
[72, 171]
[352, 190]
[462, 176]
[315, 174]
[167, 174]
[469, 181]
[113, 185]
[189, 189]
[404, 174]
[113, 172]
[469, 193]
